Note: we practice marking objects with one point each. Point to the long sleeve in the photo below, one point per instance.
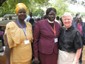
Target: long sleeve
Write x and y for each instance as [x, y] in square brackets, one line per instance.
[36, 36]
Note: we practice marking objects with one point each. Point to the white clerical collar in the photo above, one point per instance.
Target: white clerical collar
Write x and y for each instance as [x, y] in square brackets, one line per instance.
[50, 21]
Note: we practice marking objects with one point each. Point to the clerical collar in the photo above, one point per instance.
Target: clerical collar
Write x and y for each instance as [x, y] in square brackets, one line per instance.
[50, 21]
[70, 28]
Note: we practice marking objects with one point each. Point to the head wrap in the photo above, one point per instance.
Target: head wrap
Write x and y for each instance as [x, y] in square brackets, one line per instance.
[20, 6]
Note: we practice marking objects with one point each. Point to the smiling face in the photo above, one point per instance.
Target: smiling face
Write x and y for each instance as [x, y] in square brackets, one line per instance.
[67, 21]
[21, 14]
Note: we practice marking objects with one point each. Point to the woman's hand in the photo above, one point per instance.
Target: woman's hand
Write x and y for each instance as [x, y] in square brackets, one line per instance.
[75, 62]
[36, 61]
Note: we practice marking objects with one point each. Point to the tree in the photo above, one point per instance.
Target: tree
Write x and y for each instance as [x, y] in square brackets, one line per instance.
[2, 1]
[41, 1]
[9, 5]
[39, 12]
[60, 6]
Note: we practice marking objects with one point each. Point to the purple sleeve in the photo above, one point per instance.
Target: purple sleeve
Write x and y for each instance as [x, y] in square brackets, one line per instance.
[36, 39]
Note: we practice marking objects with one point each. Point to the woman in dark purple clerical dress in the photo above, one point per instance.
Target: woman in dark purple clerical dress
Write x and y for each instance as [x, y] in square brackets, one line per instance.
[46, 33]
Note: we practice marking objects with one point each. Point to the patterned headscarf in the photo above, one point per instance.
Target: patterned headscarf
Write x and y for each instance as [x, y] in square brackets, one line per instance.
[20, 6]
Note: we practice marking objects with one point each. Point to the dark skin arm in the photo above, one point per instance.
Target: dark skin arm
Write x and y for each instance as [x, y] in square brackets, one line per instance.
[7, 50]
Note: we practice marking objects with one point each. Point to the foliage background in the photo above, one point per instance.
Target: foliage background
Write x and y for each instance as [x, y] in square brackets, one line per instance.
[37, 7]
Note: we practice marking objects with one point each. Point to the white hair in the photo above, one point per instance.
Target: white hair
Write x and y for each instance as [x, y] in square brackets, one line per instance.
[67, 14]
